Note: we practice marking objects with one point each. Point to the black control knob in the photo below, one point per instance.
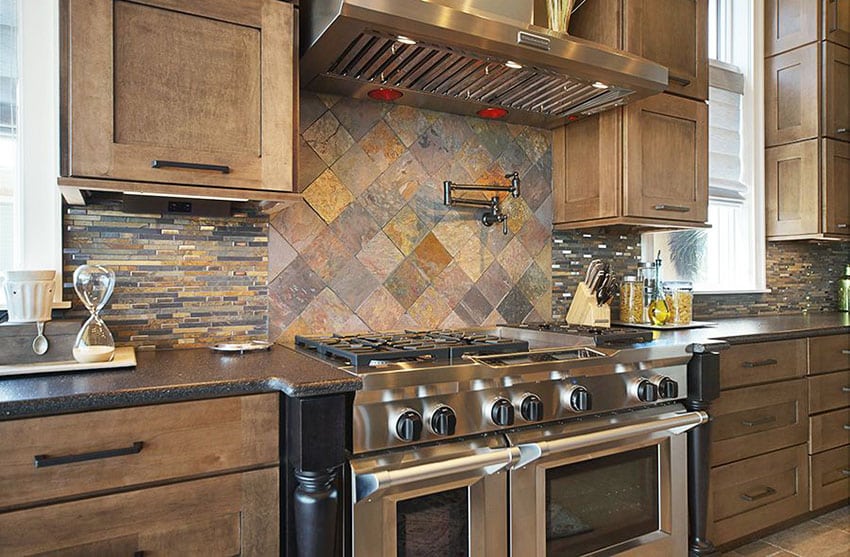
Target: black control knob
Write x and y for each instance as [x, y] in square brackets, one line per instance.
[502, 412]
[531, 408]
[580, 399]
[667, 388]
[408, 427]
[443, 421]
[647, 391]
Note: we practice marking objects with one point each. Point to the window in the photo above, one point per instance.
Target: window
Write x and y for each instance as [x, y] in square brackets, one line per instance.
[729, 256]
[30, 205]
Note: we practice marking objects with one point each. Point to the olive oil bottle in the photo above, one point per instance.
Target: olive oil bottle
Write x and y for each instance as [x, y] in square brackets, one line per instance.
[658, 311]
[844, 291]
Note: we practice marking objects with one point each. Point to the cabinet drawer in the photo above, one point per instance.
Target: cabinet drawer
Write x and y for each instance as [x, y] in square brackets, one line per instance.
[755, 420]
[132, 446]
[749, 364]
[829, 430]
[830, 477]
[235, 514]
[758, 492]
[830, 353]
[830, 391]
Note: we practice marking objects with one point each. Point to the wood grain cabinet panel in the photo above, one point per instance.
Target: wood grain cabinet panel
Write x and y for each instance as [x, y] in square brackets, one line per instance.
[755, 493]
[829, 391]
[829, 353]
[829, 430]
[755, 420]
[208, 85]
[789, 24]
[235, 514]
[837, 18]
[175, 441]
[791, 86]
[792, 193]
[830, 481]
[763, 362]
[836, 91]
[836, 187]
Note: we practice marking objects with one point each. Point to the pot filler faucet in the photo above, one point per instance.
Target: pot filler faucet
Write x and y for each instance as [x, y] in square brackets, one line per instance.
[492, 208]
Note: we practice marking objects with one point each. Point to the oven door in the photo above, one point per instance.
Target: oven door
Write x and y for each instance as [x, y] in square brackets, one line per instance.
[609, 486]
[448, 500]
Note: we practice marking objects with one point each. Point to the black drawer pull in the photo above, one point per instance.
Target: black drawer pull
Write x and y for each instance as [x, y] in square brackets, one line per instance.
[760, 363]
[672, 208]
[43, 460]
[224, 169]
[139, 553]
[759, 421]
[750, 497]
[684, 82]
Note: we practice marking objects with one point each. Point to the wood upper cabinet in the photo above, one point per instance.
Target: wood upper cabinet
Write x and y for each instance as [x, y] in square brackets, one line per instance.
[790, 23]
[836, 91]
[194, 93]
[673, 33]
[837, 22]
[645, 164]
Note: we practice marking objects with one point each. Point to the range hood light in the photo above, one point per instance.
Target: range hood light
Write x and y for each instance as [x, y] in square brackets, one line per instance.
[513, 65]
[492, 113]
[384, 94]
[599, 85]
[405, 40]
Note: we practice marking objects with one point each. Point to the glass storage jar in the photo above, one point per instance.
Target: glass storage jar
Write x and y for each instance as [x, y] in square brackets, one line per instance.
[679, 296]
[631, 300]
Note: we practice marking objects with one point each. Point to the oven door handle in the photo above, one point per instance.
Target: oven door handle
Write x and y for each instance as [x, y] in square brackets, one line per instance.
[488, 462]
[673, 422]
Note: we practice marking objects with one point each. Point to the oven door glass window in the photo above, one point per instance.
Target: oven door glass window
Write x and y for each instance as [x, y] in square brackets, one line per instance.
[435, 524]
[601, 502]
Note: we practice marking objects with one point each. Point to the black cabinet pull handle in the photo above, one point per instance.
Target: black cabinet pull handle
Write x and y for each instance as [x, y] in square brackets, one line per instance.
[43, 460]
[760, 363]
[759, 421]
[672, 208]
[139, 553]
[684, 82]
[750, 497]
[224, 169]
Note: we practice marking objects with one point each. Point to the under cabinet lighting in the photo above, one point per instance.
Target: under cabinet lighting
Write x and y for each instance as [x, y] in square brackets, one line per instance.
[514, 65]
[405, 40]
[599, 85]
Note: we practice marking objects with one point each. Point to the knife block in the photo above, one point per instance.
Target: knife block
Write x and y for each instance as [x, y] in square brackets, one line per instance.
[584, 311]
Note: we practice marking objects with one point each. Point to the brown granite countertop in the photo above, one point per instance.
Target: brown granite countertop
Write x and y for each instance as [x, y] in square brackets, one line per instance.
[171, 376]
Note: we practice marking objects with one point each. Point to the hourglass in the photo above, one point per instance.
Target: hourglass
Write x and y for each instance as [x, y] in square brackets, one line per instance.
[94, 285]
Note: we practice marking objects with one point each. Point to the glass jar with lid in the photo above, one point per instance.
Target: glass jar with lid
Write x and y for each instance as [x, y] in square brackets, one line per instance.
[631, 300]
[679, 296]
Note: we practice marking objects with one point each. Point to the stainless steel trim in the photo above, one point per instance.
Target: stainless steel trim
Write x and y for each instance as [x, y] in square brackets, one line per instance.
[535, 41]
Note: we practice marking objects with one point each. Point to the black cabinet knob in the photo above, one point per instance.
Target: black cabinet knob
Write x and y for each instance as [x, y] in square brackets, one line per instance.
[531, 408]
[667, 388]
[408, 427]
[580, 399]
[443, 421]
[647, 391]
[502, 412]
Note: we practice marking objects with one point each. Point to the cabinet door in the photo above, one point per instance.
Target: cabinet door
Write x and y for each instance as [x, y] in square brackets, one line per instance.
[789, 24]
[673, 33]
[830, 477]
[836, 91]
[792, 189]
[790, 96]
[666, 146]
[837, 17]
[204, 84]
[236, 514]
[586, 168]
[836, 186]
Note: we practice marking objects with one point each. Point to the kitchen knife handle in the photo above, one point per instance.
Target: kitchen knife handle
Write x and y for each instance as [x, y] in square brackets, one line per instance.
[43, 460]
[766, 492]
[683, 81]
[759, 421]
[157, 163]
[760, 363]
[672, 208]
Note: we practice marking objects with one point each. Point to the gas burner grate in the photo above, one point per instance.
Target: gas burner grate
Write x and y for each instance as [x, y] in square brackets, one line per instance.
[367, 349]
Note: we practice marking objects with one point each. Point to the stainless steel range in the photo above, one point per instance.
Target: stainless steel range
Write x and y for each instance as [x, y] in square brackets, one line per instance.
[530, 440]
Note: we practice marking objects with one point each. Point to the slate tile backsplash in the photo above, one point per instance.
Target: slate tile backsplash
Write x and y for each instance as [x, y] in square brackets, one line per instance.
[373, 247]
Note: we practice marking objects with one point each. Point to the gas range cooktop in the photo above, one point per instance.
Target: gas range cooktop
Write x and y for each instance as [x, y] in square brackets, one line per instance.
[600, 336]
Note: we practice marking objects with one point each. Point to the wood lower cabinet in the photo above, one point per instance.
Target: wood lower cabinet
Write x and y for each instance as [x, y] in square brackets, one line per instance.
[645, 164]
[829, 353]
[193, 94]
[830, 477]
[673, 33]
[766, 362]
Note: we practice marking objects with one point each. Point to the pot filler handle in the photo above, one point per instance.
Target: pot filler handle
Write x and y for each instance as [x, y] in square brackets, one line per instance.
[674, 423]
[488, 462]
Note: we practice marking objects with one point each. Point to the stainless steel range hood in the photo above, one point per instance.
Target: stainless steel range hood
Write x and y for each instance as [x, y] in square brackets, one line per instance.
[451, 56]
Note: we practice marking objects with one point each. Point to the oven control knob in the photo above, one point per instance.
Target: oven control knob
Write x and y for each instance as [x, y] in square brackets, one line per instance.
[502, 412]
[408, 427]
[579, 399]
[667, 388]
[646, 391]
[531, 408]
[443, 421]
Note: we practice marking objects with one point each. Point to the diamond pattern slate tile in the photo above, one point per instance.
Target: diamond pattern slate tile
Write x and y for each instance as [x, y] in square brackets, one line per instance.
[518, 213]
[534, 236]
[452, 321]
[328, 138]
[515, 306]
[495, 318]
[493, 135]
[430, 150]
[473, 157]
[328, 196]
[380, 256]
[382, 145]
[474, 307]
[430, 309]
[406, 283]
[354, 227]
[474, 258]
[358, 116]
[356, 170]
[514, 259]
[355, 283]
[428, 202]
[534, 283]
[514, 159]
[291, 291]
[453, 284]
[380, 311]
[326, 313]
[310, 165]
[298, 224]
[536, 185]
[430, 256]
[454, 131]
[405, 230]
[407, 122]
[453, 231]
[534, 142]
[494, 283]
[382, 202]
[311, 108]
[325, 255]
[281, 254]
